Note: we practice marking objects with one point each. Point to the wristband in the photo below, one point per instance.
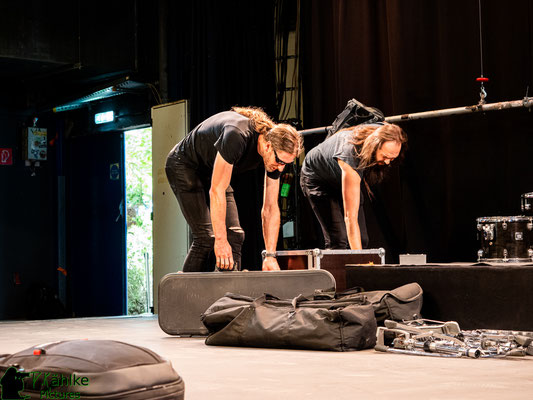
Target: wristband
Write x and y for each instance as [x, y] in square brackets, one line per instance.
[265, 254]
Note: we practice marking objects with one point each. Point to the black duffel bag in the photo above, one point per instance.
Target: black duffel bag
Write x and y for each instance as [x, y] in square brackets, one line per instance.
[344, 324]
[355, 113]
[400, 304]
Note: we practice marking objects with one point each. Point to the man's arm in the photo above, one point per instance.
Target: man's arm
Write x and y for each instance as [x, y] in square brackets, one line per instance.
[271, 219]
[351, 191]
[220, 181]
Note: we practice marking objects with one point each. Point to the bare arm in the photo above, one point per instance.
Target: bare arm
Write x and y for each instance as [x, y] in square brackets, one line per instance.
[351, 190]
[270, 216]
[220, 181]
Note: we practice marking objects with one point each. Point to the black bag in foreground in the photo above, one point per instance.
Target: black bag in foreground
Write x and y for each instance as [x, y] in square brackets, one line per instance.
[340, 324]
[401, 304]
[89, 369]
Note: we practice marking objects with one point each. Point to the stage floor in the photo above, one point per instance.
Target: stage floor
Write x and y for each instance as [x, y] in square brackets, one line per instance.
[216, 373]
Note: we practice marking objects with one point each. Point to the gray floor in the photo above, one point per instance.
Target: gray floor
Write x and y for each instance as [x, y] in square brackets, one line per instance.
[216, 373]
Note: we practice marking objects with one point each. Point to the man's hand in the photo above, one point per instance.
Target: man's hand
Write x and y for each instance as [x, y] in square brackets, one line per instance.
[270, 264]
[223, 254]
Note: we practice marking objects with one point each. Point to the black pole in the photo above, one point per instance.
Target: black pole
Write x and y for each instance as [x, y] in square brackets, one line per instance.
[314, 131]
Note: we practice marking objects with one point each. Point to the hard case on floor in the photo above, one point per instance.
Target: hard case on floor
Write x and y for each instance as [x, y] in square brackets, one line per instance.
[184, 297]
[333, 261]
[89, 369]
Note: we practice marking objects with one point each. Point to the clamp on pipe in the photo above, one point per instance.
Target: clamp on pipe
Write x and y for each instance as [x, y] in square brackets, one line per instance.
[483, 92]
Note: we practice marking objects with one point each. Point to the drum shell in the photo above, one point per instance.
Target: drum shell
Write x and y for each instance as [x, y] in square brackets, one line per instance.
[505, 239]
[526, 203]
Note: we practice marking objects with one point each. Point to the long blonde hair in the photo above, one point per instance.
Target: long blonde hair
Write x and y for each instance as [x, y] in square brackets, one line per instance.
[282, 136]
[261, 122]
[369, 138]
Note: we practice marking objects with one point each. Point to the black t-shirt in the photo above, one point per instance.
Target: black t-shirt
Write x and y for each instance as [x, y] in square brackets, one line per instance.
[321, 172]
[228, 133]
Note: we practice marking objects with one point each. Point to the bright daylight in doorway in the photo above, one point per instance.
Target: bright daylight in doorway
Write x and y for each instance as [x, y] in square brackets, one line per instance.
[138, 149]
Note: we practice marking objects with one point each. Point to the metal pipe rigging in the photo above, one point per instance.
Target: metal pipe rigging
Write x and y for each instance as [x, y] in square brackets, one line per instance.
[526, 102]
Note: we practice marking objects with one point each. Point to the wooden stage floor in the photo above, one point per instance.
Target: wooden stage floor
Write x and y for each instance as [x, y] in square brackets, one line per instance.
[216, 373]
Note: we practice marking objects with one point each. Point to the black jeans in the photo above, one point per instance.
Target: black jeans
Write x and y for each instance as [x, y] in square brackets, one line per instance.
[192, 192]
[329, 211]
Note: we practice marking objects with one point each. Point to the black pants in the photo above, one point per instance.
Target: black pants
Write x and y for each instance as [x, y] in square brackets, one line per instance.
[329, 211]
[192, 192]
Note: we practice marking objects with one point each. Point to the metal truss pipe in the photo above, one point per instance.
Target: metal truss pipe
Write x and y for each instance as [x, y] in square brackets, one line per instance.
[526, 102]
[504, 105]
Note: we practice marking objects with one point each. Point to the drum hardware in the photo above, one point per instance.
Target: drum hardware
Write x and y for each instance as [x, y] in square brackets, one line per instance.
[526, 203]
[412, 352]
[504, 225]
[505, 253]
[518, 236]
[488, 232]
[446, 339]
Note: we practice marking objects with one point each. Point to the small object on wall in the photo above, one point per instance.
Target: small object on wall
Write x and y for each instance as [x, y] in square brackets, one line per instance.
[114, 171]
[6, 156]
[35, 143]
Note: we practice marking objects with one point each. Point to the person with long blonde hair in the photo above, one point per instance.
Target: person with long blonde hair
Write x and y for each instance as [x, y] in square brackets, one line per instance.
[332, 173]
[199, 169]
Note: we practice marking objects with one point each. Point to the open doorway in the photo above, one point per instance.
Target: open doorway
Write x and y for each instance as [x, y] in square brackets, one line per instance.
[138, 159]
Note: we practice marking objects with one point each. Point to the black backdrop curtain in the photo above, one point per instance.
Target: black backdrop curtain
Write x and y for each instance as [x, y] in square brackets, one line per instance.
[417, 55]
[221, 54]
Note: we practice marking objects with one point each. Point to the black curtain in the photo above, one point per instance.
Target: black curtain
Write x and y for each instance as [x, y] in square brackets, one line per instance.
[221, 54]
[417, 55]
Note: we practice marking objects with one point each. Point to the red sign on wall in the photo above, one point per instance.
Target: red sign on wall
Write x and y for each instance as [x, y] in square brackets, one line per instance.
[6, 156]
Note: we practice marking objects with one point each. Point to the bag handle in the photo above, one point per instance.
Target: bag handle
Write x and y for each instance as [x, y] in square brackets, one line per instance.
[258, 301]
[297, 300]
[332, 295]
[350, 291]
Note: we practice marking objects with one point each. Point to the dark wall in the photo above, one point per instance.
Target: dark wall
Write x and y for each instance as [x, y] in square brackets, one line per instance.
[27, 32]
[52, 53]
[406, 57]
[29, 203]
[93, 33]
[28, 212]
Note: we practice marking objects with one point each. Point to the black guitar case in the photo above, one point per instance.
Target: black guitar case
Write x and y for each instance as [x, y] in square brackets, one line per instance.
[184, 297]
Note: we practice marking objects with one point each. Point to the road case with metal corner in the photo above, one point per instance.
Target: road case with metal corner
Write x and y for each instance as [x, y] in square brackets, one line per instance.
[333, 261]
[184, 297]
